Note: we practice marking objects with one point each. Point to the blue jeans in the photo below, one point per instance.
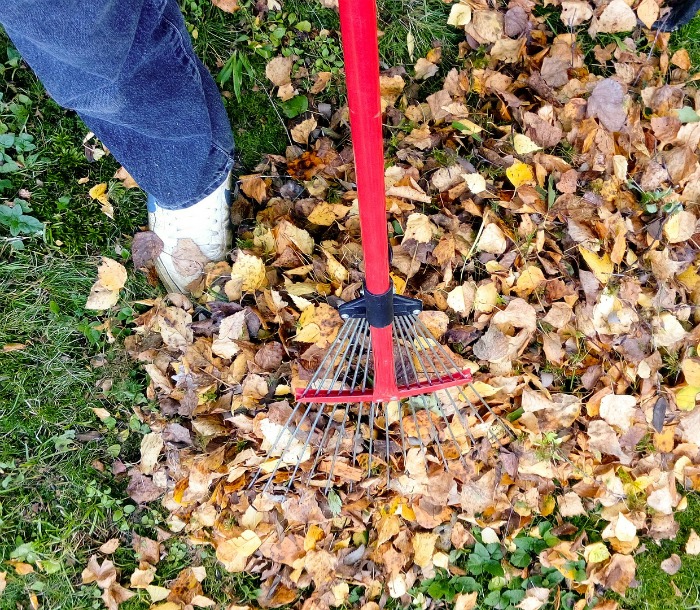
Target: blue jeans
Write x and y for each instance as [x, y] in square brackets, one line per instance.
[128, 69]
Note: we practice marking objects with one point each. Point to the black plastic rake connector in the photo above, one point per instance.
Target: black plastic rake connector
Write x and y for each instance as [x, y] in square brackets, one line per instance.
[380, 309]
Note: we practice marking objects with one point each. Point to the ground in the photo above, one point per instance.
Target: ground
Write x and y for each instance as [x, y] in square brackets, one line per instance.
[59, 500]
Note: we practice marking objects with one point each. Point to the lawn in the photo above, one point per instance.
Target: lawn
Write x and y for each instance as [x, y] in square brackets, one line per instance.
[62, 458]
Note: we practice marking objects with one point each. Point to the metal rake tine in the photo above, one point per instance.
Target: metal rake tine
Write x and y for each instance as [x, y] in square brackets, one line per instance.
[356, 438]
[337, 450]
[424, 450]
[410, 404]
[428, 341]
[372, 407]
[306, 444]
[405, 374]
[406, 330]
[354, 347]
[352, 344]
[365, 337]
[386, 429]
[440, 409]
[277, 440]
[333, 349]
[287, 446]
[321, 444]
[478, 415]
[423, 329]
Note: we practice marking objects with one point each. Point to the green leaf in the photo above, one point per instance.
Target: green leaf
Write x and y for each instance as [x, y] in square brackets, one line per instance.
[493, 599]
[688, 115]
[7, 140]
[335, 504]
[520, 559]
[295, 106]
[303, 26]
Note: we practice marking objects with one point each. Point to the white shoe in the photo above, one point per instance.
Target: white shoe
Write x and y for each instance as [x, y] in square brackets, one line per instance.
[191, 237]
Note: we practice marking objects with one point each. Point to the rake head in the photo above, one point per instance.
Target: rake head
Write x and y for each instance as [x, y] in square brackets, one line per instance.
[353, 424]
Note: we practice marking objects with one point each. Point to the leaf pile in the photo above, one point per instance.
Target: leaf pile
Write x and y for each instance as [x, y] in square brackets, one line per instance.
[542, 203]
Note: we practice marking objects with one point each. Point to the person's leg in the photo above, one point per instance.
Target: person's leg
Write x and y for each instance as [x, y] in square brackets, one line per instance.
[127, 67]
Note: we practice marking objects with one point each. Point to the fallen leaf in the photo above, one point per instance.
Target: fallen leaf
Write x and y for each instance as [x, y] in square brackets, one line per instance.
[302, 131]
[110, 546]
[616, 17]
[671, 565]
[228, 6]
[460, 15]
[520, 173]
[278, 70]
[234, 552]
[692, 547]
[606, 102]
[145, 249]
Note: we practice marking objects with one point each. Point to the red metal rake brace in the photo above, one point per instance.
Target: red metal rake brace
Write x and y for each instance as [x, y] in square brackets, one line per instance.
[383, 354]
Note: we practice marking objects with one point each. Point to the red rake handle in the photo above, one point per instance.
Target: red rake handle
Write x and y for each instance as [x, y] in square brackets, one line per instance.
[358, 26]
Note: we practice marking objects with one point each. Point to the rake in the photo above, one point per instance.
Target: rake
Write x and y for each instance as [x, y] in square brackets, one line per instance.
[386, 391]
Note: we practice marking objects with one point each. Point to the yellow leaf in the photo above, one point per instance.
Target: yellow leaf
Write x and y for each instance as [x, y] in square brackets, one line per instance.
[460, 15]
[596, 552]
[399, 283]
[475, 183]
[691, 370]
[99, 192]
[336, 271]
[520, 173]
[523, 145]
[325, 214]
[601, 266]
[250, 269]
[111, 274]
[530, 279]
[685, 397]
[234, 553]
[648, 12]
[423, 548]
[157, 593]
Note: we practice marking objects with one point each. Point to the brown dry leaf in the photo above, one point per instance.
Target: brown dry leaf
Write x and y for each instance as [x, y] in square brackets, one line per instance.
[671, 565]
[302, 131]
[425, 69]
[234, 553]
[127, 181]
[3, 581]
[692, 547]
[322, 79]
[648, 12]
[492, 240]
[616, 17]
[278, 70]
[419, 228]
[142, 576]
[254, 186]
[575, 12]
[99, 193]
[228, 6]
[104, 575]
[110, 546]
[606, 102]
[145, 249]
[188, 258]
[151, 446]
[116, 595]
